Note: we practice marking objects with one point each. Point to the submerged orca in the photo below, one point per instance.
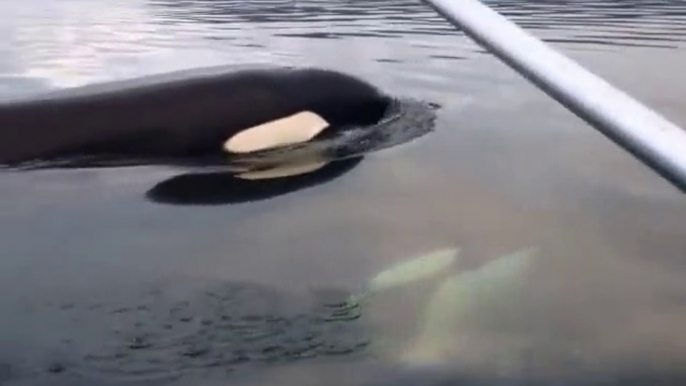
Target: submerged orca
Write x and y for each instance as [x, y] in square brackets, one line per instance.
[221, 188]
[186, 115]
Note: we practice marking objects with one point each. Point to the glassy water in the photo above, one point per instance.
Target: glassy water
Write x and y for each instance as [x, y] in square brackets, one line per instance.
[99, 282]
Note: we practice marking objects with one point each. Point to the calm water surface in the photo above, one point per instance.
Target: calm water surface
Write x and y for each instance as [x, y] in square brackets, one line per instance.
[93, 275]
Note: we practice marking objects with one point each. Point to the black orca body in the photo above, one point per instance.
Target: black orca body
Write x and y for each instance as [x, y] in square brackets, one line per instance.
[185, 115]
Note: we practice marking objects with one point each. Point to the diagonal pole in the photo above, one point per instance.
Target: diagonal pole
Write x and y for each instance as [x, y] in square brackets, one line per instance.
[651, 138]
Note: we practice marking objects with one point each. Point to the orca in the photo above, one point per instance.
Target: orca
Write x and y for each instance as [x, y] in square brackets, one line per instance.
[221, 188]
[180, 117]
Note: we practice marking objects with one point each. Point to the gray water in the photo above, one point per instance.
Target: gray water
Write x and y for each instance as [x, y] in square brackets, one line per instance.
[93, 274]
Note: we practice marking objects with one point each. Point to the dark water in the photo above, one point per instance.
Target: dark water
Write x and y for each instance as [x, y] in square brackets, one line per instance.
[101, 285]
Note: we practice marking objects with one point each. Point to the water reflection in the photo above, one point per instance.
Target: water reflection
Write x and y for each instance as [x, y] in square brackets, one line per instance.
[73, 43]
[226, 188]
[614, 22]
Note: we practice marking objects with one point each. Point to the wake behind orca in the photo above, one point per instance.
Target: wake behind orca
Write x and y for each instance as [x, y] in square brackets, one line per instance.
[183, 118]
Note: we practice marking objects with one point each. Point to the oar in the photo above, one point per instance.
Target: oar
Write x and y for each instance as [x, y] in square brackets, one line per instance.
[651, 138]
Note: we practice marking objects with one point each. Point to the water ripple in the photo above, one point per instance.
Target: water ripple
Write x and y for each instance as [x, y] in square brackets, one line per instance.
[611, 22]
[72, 42]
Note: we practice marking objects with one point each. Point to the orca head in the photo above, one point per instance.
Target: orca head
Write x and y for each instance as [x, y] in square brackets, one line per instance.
[341, 99]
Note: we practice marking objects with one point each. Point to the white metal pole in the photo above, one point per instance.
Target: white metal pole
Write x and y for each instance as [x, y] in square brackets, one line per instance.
[650, 137]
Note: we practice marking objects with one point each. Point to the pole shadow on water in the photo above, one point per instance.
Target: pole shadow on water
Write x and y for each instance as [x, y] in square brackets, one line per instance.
[221, 188]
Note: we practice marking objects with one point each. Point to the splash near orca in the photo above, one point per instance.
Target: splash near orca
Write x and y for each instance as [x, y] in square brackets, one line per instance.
[199, 118]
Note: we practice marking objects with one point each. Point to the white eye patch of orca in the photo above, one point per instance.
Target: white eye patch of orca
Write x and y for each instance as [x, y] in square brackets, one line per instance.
[296, 128]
